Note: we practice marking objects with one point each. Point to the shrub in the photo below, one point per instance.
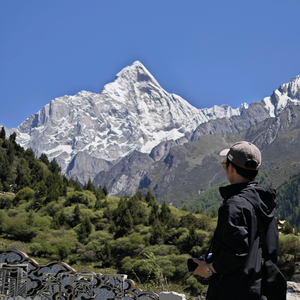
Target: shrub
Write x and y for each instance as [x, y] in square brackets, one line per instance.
[23, 194]
[18, 229]
[85, 197]
[62, 249]
[18, 246]
[6, 201]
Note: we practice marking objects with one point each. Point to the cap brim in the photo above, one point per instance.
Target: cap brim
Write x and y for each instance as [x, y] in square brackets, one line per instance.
[224, 152]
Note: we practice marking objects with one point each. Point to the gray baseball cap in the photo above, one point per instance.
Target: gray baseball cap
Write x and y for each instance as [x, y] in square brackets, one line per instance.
[242, 152]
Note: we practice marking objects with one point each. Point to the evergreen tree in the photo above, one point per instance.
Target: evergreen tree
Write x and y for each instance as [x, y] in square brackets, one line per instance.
[139, 195]
[154, 214]
[76, 216]
[53, 183]
[23, 174]
[29, 156]
[37, 173]
[41, 189]
[62, 218]
[165, 213]
[150, 199]
[10, 153]
[54, 166]
[85, 229]
[74, 184]
[2, 133]
[12, 138]
[105, 191]
[100, 194]
[90, 187]
[137, 210]
[185, 208]
[44, 158]
[6, 172]
[98, 204]
[157, 233]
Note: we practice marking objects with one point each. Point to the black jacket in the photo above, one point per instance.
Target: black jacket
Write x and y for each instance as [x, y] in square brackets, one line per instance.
[236, 249]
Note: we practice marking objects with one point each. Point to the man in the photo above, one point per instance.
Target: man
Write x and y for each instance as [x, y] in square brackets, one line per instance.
[235, 264]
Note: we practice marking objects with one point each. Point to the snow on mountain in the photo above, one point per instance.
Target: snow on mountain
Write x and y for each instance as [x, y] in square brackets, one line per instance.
[132, 113]
[287, 94]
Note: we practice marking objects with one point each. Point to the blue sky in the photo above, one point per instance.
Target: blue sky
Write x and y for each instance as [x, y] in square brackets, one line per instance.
[208, 52]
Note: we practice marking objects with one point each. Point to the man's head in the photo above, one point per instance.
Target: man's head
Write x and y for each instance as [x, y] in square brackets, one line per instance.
[244, 157]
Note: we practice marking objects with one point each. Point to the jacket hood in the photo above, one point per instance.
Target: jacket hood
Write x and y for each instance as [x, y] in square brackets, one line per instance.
[262, 199]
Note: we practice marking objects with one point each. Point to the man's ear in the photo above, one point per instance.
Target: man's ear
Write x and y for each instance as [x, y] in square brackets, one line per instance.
[231, 168]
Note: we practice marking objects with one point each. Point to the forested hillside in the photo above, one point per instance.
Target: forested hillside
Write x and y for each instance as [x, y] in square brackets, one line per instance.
[288, 197]
[51, 218]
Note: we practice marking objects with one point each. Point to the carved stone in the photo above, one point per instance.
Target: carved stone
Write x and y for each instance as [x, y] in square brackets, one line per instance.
[22, 277]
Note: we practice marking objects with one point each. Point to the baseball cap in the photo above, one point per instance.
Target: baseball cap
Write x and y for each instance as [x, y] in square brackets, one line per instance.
[242, 152]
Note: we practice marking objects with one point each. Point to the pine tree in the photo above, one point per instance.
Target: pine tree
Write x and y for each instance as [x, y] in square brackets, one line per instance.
[185, 208]
[158, 232]
[54, 166]
[61, 218]
[29, 156]
[137, 210]
[98, 204]
[85, 229]
[12, 138]
[41, 189]
[165, 213]
[105, 191]
[76, 216]
[44, 158]
[2, 133]
[90, 186]
[150, 199]
[154, 214]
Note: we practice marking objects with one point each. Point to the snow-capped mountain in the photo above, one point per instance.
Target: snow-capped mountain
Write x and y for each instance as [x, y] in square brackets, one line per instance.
[132, 113]
[287, 94]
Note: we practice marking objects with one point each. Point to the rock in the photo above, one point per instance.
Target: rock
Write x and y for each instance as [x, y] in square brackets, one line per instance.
[171, 296]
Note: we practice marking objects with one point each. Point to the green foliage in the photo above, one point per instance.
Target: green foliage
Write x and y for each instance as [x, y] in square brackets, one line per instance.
[23, 174]
[90, 187]
[74, 184]
[18, 229]
[24, 194]
[54, 166]
[205, 201]
[288, 201]
[84, 230]
[85, 197]
[63, 249]
[6, 201]
[150, 199]
[185, 208]
[287, 229]
[3, 220]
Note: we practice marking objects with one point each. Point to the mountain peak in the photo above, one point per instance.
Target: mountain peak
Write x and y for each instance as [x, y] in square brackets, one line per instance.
[286, 94]
[136, 72]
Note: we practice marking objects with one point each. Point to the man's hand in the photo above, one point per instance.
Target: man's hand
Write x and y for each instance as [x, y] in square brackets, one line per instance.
[201, 269]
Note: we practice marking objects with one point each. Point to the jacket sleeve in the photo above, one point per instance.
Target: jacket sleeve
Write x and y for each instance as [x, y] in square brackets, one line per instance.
[232, 236]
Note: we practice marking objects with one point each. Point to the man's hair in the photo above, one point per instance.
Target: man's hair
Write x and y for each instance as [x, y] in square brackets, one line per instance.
[249, 174]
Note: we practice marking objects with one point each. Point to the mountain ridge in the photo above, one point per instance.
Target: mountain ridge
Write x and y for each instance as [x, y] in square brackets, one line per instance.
[91, 135]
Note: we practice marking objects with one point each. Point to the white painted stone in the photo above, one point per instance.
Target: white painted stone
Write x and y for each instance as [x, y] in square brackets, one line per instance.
[171, 296]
